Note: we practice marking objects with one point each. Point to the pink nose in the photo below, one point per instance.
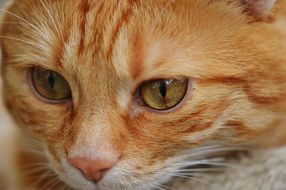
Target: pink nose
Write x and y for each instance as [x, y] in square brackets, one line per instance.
[94, 169]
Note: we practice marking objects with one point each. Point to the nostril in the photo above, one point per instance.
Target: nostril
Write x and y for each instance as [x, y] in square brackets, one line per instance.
[93, 170]
[82, 165]
[99, 175]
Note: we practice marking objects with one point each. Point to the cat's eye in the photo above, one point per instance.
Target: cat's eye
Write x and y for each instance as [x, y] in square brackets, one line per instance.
[50, 85]
[163, 94]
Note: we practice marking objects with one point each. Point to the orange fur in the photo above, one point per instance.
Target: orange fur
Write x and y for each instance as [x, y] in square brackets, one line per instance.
[105, 50]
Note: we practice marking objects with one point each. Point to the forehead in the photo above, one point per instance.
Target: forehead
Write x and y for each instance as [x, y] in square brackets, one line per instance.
[126, 38]
[123, 36]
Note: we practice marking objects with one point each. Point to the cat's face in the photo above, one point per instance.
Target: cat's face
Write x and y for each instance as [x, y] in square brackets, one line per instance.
[118, 91]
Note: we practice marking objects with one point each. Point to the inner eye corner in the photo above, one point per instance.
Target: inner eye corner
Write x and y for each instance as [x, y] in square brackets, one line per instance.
[49, 86]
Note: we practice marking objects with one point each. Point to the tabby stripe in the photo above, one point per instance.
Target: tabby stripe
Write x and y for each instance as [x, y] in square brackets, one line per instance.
[123, 20]
[205, 111]
[84, 9]
[239, 126]
[228, 80]
[98, 34]
[137, 65]
[265, 100]
[59, 48]
[249, 91]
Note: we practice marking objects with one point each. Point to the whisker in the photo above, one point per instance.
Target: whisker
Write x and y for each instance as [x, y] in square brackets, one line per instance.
[194, 174]
[42, 177]
[26, 23]
[167, 187]
[198, 162]
[51, 183]
[58, 24]
[188, 177]
[38, 47]
[27, 166]
[35, 141]
[189, 164]
[157, 185]
[20, 23]
[48, 10]
[17, 16]
[207, 151]
[38, 152]
[20, 40]
[201, 170]
[27, 173]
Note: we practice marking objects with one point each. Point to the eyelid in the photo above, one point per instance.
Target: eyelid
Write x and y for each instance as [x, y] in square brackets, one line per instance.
[158, 78]
[29, 66]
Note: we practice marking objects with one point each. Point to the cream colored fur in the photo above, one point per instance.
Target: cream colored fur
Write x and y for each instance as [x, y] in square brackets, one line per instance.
[261, 170]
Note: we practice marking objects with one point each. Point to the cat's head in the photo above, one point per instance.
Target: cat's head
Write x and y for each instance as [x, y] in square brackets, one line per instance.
[119, 92]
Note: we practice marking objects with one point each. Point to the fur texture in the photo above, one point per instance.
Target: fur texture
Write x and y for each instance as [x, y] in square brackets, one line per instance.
[263, 170]
[232, 53]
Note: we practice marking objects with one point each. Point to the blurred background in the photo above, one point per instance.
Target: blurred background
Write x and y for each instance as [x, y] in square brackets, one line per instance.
[2, 2]
[5, 134]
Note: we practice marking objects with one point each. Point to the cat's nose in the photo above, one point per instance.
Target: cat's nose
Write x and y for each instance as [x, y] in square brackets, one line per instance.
[94, 169]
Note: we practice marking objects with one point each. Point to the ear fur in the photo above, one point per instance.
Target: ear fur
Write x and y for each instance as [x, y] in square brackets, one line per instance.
[260, 9]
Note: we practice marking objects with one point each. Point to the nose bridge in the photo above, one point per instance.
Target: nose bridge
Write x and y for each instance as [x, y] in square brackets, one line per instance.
[98, 81]
[91, 120]
[93, 126]
[96, 132]
[96, 101]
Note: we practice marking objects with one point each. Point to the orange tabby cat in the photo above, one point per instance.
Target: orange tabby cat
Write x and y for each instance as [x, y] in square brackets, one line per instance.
[124, 94]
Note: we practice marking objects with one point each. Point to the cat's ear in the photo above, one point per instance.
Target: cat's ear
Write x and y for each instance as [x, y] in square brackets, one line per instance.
[260, 9]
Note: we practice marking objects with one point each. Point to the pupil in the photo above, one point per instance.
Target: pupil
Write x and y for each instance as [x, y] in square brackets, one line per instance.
[51, 79]
[163, 89]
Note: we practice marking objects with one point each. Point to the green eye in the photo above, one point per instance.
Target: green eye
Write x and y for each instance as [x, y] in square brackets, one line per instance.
[50, 84]
[163, 94]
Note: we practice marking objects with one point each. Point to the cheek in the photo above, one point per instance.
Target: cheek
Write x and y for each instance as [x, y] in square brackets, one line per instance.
[44, 120]
[150, 141]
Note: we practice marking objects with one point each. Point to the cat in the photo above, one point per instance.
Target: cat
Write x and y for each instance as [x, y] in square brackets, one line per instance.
[129, 94]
